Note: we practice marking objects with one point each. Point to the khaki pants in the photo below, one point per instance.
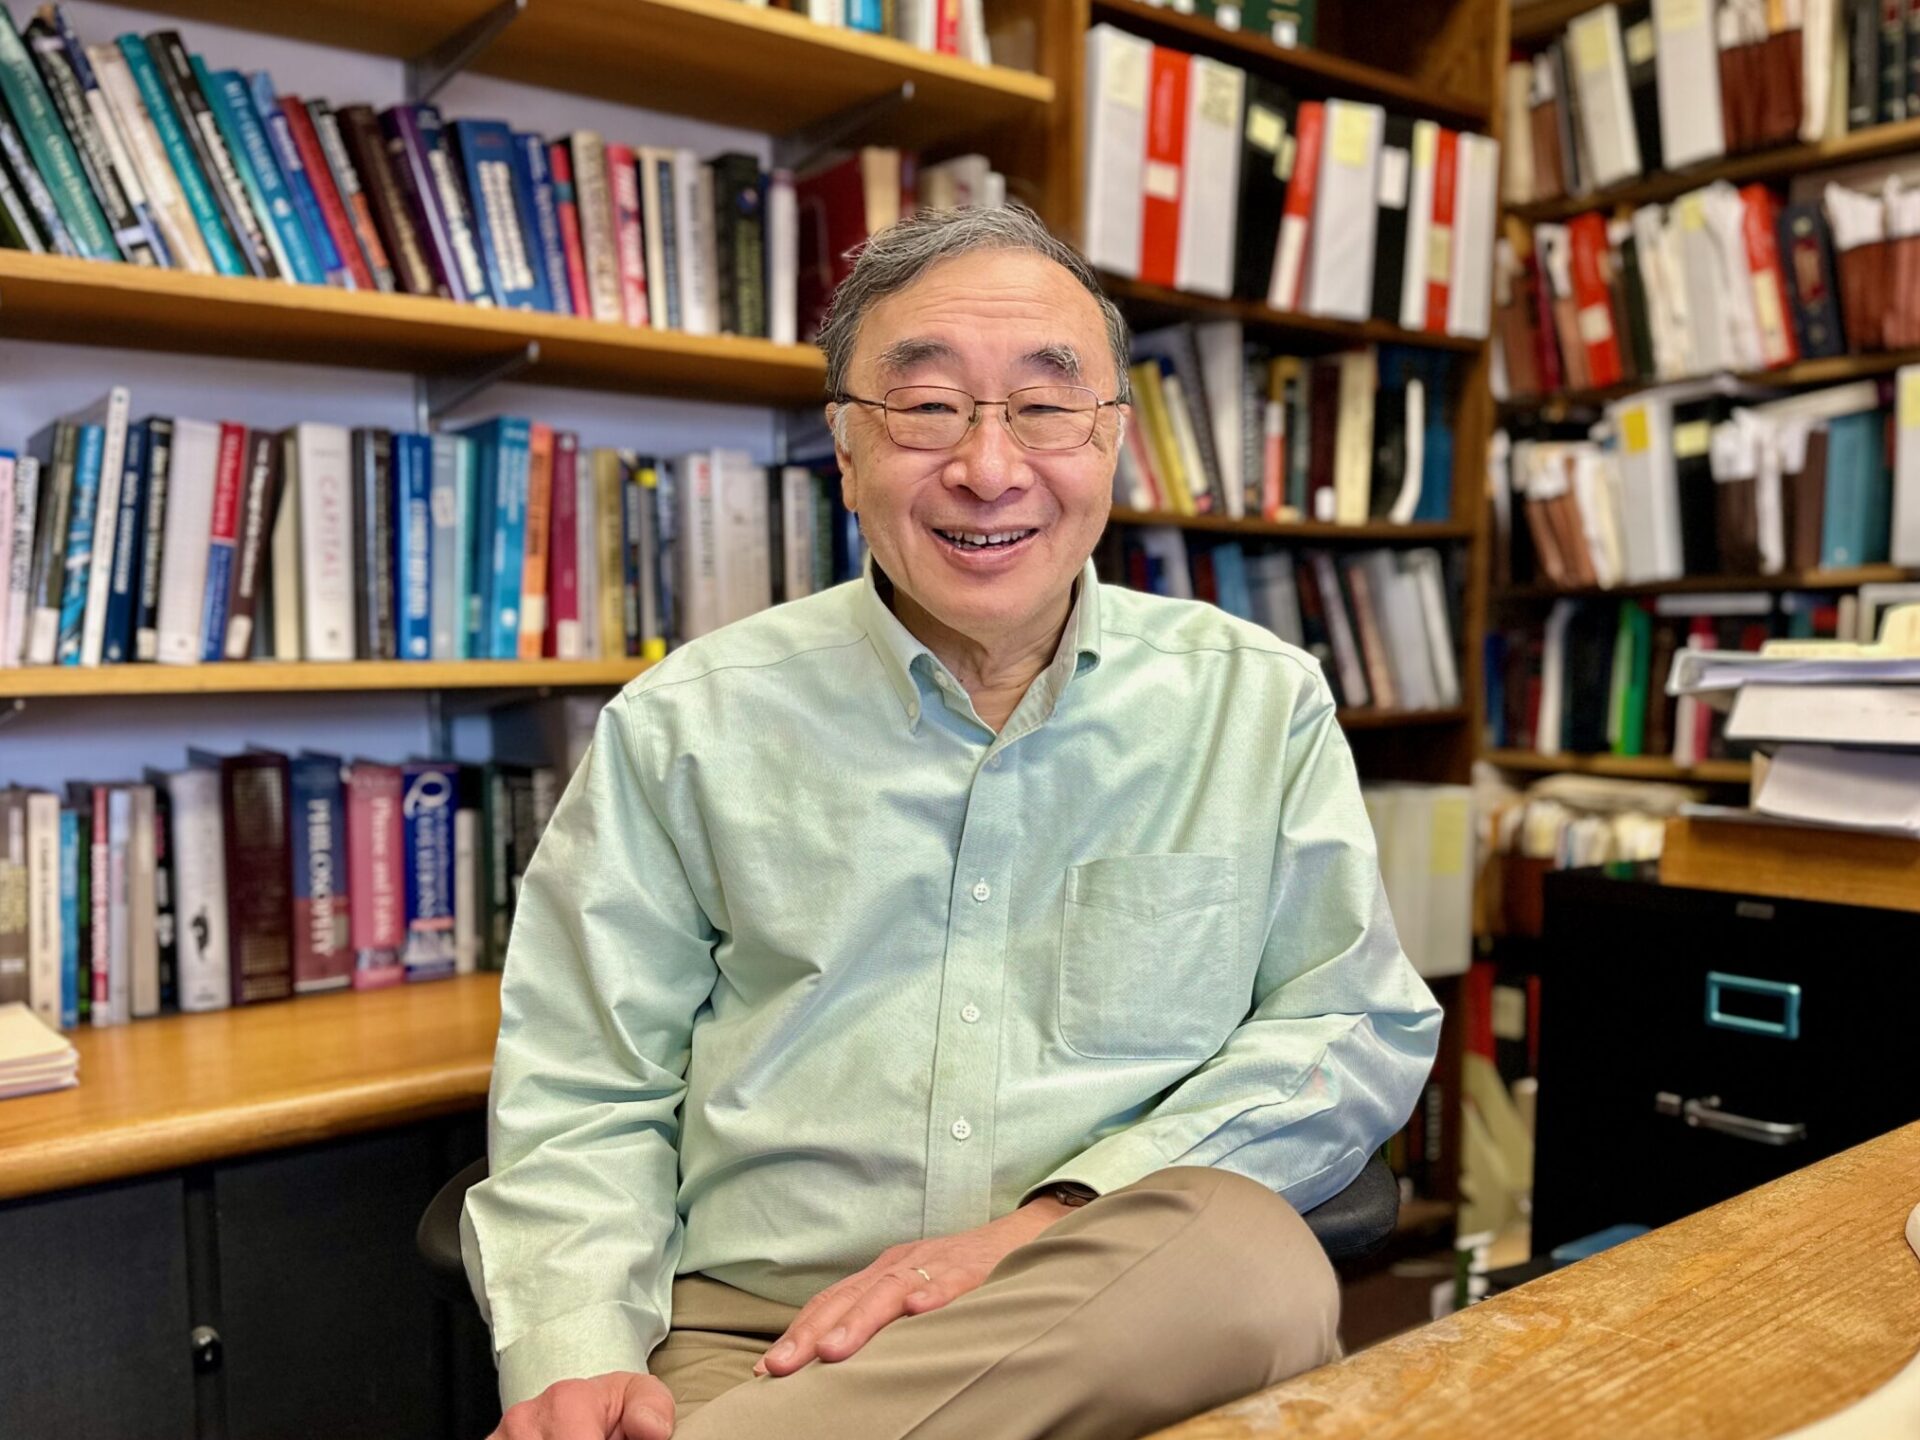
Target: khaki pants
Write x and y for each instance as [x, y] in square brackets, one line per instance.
[1187, 1290]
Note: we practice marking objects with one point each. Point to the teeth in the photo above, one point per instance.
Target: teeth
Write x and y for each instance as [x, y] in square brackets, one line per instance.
[980, 540]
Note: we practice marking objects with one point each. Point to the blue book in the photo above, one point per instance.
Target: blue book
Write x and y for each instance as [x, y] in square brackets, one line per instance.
[123, 593]
[226, 92]
[413, 545]
[866, 15]
[501, 500]
[186, 168]
[483, 467]
[1230, 581]
[1854, 522]
[88, 454]
[427, 796]
[485, 149]
[534, 180]
[222, 548]
[322, 949]
[70, 919]
[306, 205]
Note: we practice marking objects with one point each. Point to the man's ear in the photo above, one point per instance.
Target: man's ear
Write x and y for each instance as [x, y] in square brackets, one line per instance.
[843, 457]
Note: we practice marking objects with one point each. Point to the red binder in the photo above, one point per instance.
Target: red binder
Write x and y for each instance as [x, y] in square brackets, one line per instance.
[1296, 221]
[1760, 224]
[1164, 180]
[1446, 166]
[1588, 237]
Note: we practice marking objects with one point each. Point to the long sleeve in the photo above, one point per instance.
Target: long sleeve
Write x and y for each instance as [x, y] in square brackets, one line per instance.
[571, 1242]
[1343, 1032]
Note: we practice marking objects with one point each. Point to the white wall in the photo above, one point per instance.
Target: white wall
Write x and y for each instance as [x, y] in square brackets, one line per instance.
[51, 741]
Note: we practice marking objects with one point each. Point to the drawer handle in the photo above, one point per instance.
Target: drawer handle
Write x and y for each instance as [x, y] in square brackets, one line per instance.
[1720, 984]
[1707, 1115]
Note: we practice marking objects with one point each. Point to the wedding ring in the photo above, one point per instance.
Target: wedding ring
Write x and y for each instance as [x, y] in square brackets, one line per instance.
[923, 1274]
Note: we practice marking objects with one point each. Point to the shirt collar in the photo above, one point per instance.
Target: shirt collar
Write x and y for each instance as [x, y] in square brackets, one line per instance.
[899, 650]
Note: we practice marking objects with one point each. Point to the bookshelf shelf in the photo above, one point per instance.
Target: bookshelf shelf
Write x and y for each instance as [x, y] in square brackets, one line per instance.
[1631, 767]
[91, 302]
[1544, 19]
[1374, 532]
[1157, 301]
[1316, 72]
[1699, 584]
[718, 60]
[1399, 719]
[268, 676]
[1834, 371]
[1872, 143]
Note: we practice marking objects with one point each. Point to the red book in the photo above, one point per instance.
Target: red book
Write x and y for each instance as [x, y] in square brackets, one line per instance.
[376, 876]
[560, 163]
[1166, 147]
[1593, 299]
[101, 905]
[254, 806]
[1760, 224]
[223, 539]
[1446, 166]
[1296, 220]
[332, 209]
[533, 561]
[946, 35]
[831, 205]
[562, 639]
[629, 244]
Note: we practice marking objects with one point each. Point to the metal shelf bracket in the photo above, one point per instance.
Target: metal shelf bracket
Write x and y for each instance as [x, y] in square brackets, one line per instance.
[435, 395]
[807, 144]
[428, 73]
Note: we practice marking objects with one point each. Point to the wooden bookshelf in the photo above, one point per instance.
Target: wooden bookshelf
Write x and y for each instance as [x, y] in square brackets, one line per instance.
[257, 677]
[719, 60]
[1544, 19]
[1150, 303]
[1716, 584]
[1399, 719]
[92, 302]
[1308, 71]
[1835, 370]
[1627, 767]
[1373, 532]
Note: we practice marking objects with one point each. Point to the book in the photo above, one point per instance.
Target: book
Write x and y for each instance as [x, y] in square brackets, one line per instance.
[259, 497]
[366, 144]
[1117, 68]
[352, 191]
[204, 211]
[200, 870]
[376, 879]
[321, 893]
[373, 563]
[52, 153]
[411, 528]
[540, 223]
[209, 149]
[428, 795]
[232, 105]
[535, 542]
[1163, 179]
[66, 74]
[222, 541]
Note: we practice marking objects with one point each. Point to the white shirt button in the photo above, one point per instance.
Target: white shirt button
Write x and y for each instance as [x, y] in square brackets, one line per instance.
[970, 1013]
[993, 762]
[961, 1130]
[981, 891]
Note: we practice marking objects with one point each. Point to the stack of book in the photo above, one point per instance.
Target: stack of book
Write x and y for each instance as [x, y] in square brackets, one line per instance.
[1226, 427]
[179, 540]
[1709, 480]
[258, 876]
[1381, 622]
[1207, 179]
[945, 27]
[33, 1056]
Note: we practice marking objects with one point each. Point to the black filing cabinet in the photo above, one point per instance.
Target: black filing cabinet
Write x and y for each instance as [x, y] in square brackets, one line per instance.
[1695, 1044]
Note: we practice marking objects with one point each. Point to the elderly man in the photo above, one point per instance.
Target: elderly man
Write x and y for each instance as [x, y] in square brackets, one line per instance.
[934, 1000]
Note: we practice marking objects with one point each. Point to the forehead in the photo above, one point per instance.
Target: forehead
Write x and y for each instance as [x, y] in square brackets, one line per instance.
[988, 302]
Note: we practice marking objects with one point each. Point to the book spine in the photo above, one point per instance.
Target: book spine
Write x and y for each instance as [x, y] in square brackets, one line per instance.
[53, 155]
[632, 539]
[353, 194]
[19, 560]
[407, 152]
[366, 144]
[306, 203]
[535, 547]
[260, 173]
[111, 414]
[444, 570]
[509, 540]
[539, 223]
[256, 518]
[43, 905]
[39, 199]
[562, 637]
[88, 455]
[413, 542]
[167, 210]
[376, 876]
[50, 546]
[566, 209]
[69, 919]
[326, 197]
[200, 905]
[623, 185]
[322, 949]
[49, 50]
[427, 810]
[372, 557]
[222, 539]
[482, 515]
[324, 490]
[452, 201]
[18, 229]
[597, 236]
[672, 257]
[210, 148]
[254, 806]
[205, 214]
[485, 151]
[123, 597]
[466, 890]
[166, 934]
[143, 953]
[116, 145]
[100, 912]
[146, 628]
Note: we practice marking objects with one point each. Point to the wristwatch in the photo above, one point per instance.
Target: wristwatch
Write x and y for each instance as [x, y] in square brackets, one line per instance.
[1068, 1192]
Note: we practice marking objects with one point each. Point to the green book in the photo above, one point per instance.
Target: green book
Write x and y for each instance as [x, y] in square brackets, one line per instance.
[53, 153]
[1636, 636]
[173, 139]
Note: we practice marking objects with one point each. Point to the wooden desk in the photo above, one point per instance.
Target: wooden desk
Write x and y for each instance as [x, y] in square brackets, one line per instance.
[1749, 1319]
[162, 1094]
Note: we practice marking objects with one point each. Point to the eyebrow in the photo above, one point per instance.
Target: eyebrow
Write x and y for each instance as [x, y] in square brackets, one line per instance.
[903, 355]
[1062, 359]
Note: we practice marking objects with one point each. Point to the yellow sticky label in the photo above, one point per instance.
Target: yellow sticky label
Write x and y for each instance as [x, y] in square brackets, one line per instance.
[1766, 303]
[1219, 94]
[1692, 441]
[1284, 156]
[1589, 45]
[1633, 432]
[1426, 143]
[1640, 48]
[1126, 74]
[1447, 853]
[1440, 254]
[1910, 399]
[1676, 16]
[1265, 128]
[1352, 134]
[1693, 214]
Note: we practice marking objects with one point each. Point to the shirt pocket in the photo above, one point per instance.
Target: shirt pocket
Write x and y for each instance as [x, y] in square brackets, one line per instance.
[1147, 962]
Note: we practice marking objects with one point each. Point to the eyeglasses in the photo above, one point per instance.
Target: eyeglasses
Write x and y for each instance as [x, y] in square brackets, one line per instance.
[1040, 417]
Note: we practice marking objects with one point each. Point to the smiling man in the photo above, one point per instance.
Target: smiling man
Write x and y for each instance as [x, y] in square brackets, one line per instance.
[933, 1001]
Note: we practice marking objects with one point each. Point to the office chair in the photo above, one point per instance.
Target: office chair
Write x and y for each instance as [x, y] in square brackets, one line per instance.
[1352, 1227]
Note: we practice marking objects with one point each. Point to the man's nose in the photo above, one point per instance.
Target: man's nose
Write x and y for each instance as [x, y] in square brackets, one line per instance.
[989, 462]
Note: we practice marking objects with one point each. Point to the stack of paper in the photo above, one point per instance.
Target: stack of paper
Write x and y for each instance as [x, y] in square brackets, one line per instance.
[33, 1057]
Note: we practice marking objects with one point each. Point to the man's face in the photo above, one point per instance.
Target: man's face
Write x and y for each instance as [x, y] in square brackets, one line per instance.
[988, 323]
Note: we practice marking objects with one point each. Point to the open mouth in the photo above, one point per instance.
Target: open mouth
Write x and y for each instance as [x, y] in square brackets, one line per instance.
[982, 542]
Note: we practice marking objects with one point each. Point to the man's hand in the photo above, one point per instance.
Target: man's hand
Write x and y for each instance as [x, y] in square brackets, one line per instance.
[843, 1317]
[618, 1406]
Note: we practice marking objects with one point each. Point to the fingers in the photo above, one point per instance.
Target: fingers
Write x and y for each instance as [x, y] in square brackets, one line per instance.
[567, 1410]
[884, 1302]
[820, 1314]
[646, 1411]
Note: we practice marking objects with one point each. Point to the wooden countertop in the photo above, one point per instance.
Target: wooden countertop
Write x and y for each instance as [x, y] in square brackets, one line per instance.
[1750, 1319]
[158, 1094]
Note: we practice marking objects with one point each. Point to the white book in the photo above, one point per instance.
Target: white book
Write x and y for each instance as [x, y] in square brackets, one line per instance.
[1604, 104]
[1397, 600]
[1876, 715]
[706, 232]
[1418, 262]
[1276, 594]
[701, 590]
[1906, 468]
[1223, 363]
[693, 230]
[183, 573]
[1346, 213]
[587, 544]
[200, 890]
[598, 242]
[745, 540]
[466, 891]
[1855, 788]
[783, 260]
[1449, 913]
[1726, 218]
[1517, 177]
[19, 559]
[1470, 289]
[1353, 442]
[178, 229]
[327, 598]
[143, 949]
[1553, 678]
[110, 414]
[1167, 545]
[285, 559]
[1687, 82]
[1346, 649]
[43, 906]
[974, 44]
[660, 277]
[1118, 67]
[796, 530]
[446, 606]
[1209, 219]
[1414, 482]
[119, 900]
[1430, 583]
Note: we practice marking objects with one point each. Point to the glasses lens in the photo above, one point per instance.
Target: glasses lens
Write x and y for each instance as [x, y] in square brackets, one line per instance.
[928, 417]
[1052, 417]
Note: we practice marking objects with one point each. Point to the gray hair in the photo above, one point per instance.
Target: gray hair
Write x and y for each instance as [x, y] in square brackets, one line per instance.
[900, 254]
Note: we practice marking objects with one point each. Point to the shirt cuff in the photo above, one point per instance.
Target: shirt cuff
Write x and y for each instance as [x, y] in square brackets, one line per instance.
[594, 1340]
[1112, 1164]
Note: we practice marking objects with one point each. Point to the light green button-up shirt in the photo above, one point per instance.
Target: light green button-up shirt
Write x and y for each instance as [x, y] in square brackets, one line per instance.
[811, 962]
